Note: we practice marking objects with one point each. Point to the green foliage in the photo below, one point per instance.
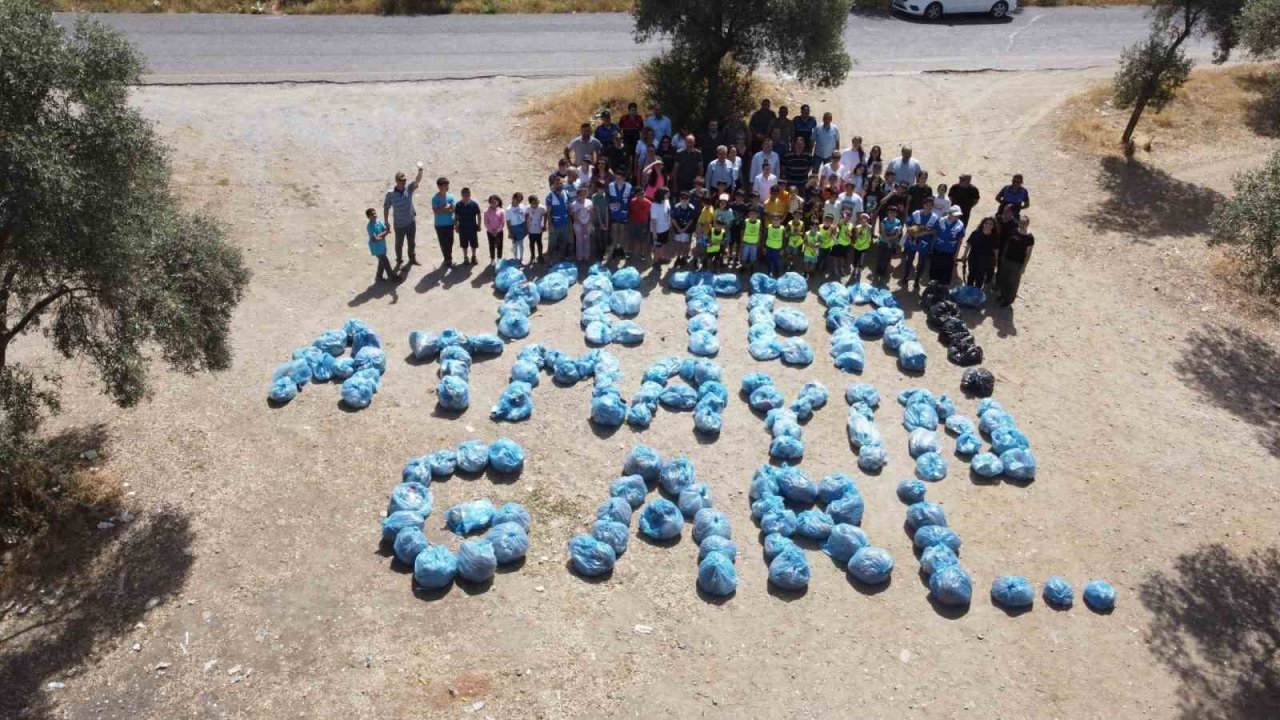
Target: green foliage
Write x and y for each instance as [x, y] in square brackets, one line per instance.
[795, 37]
[94, 250]
[1259, 26]
[416, 7]
[1250, 222]
[1215, 19]
[668, 82]
[1152, 68]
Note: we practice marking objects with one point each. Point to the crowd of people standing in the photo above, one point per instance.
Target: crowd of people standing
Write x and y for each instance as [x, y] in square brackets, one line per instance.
[772, 193]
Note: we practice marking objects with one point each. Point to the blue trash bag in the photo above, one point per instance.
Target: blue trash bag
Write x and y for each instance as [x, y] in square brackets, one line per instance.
[460, 369]
[765, 350]
[566, 371]
[796, 486]
[532, 354]
[512, 513]
[1019, 464]
[424, 345]
[643, 461]
[397, 521]
[625, 303]
[700, 286]
[936, 557]
[326, 368]
[862, 431]
[1058, 592]
[412, 497]
[910, 396]
[486, 344]
[417, 470]
[912, 357]
[331, 342]
[708, 522]
[506, 278]
[993, 418]
[986, 465]
[526, 291]
[663, 370]
[453, 393]
[371, 357]
[568, 269]
[717, 576]
[408, 543]
[296, 370]
[895, 336]
[920, 415]
[526, 372]
[852, 361]
[628, 332]
[843, 541]
[767, 504]
[678, 279]
[513, 326]
[699, 305]
[726, 284]
[466, 518]
[694, 498]
[703, 323]
[870, 324]
[951, 585]
[871, 565]
[506, 456]
[968, 296]
[761, 283]
[833, 294]
[785, 448]
[1012, 591]
[782, 522]
[922, 441]
[676, 475]
[608, 410]
[883, 297]
[514, 307]
[590, 557]
[639, 415]
[765, 398]
[1099, 596]
[594, 314]
[704, 343]
[945, 407]
[358, 391]
[343, 368]
[627, 278]
[775, 543]
[282, 390]
[814, 524]
[362, 338]
[712, 389]
[753, 381]
[761, 300]
[845, 340]
[860, 293]
[790, 320]
[515, 403]
[789, 570]
[968, 444]
[795, 351]
[840, 318]
[959, 425]
[661, 520]
[1004, 439]
[835, 486]
[615, 509]
[925, 513]
[792, 286]
[931, 466]
[931, 535]
[443, 463]
[872, 458]
[847, 509]
[717, 545]
[801, 408]
[891, 316]
[600, 332]
[911, 491]
[553, 287]
[988, 403]
[678, 397]
[630, 488]
[612, 533]
[765, 482]
[815, 392]
[510, 542]
[435, 567]
[761, 332]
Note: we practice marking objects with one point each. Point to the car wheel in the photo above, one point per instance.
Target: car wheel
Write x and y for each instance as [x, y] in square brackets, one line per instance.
[933, 12]
[1000, 9]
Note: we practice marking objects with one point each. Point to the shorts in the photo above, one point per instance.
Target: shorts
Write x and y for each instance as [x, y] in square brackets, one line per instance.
[811, 259]
[750, 252]
[840, 251]
[660, 239]
[516, 232]
[682, 238]
[468, 239]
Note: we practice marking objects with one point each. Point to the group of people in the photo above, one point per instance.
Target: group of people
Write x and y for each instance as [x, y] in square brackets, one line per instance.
[726, 199]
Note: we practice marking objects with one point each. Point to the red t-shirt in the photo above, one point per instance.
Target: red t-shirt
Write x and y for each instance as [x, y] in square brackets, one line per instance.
[640, 209]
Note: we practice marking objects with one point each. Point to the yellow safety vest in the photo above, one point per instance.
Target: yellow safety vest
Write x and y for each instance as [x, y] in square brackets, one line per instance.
[827, 238]
[773, 240]
[842, 235]
[863, 239]
[751, 232]
[713, 245]
[811, 240]
[795, 233]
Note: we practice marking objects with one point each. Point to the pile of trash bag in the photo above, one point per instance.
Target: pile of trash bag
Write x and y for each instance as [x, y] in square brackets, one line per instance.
[699, 390]
[453, 393]
[324, 361]
[703, 314]
[606, 298]
[885, 321]
[944, 318]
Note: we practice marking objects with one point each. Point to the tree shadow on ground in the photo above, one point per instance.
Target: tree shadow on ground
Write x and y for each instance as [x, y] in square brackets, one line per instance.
[1262, 114]
[90, 585]
[1147, 201]
[1239, 372]
[1216, 626]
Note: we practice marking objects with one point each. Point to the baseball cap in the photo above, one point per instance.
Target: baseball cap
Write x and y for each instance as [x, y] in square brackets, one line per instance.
[954, 211]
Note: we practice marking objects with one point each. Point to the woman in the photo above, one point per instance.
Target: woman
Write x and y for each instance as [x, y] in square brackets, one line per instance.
[1013, 261]
[941, 203]
[735, 165]
[873, 157]
[654, 179]
[871, 200]
[979, 254]
[1006, 223]
[667, 153]
[859, 178]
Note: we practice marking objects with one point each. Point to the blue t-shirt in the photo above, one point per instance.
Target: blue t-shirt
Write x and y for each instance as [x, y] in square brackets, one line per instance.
[443, 219]
[377, 247]
[1017, 196]
[921, 243]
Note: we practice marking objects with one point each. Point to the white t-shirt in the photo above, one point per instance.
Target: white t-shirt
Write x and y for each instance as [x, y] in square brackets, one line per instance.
[904, 171]
[515, 215]
[758, 160]
[851, 158]
[581, 211]
[941, 205]
[660, 216]
[851, 202]
[533, 218]
[763, 185]
[827, 170]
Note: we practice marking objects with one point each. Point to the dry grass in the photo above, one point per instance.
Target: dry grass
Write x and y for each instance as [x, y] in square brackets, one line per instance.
[58, 480]
[1214, 106]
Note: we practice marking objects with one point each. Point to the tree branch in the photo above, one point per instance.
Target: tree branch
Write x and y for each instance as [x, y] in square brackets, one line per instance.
[34, 311]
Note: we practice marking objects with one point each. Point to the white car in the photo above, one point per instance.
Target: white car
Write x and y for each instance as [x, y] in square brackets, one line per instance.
[935, 9]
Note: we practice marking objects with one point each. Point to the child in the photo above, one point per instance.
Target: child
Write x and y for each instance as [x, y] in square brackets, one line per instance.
[861, 244]
[466, 214]
[494, 220]
[739, 208]
[599, 222]
[639, 225]
[516, 227]
[812, 240]
[844, 238]
[706, 216]
[888, 243]
[795, 238]
[684, 218]
[773, 241]
[533, 221]
[826, 242]
[582, 211]
[715, 244]
[750, 239]
[660, 225]
[378, 245]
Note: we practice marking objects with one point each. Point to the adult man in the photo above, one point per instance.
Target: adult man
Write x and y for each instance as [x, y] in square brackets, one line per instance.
[583, 148]
[905, 168]
[735, 130]
[660, 124]
[855, 155]
[765, 155]
[761, 122]
[964, 195]
[802, 126]
[946, 243]
[826, 140]
[561, 240]
[561, 171]
[833, 168]
[618, 195]
[917, 192]
[442, 207]
[646, 152]
[782, 124]
[710, 140]
[688, 165]
[1015, 194]
[922, 228]
[608, 129]
[850, 201]
[631, 124]
[720, 170]
[796, 164]
[764, 183]
[400, 199]
[614, 154]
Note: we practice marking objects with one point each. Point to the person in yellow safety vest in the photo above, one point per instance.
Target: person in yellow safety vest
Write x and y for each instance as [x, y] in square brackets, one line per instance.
[844, 238]
[861, 244]
[750, 239]
[812, 240]
[706, 214]
[715, 243]
[795, 238]
[774, 239]
[826, 243]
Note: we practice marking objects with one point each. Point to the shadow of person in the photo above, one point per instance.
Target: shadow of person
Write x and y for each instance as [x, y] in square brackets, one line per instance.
[1002, 320]
[379, 289]
[1216, 625]
[1238, 371]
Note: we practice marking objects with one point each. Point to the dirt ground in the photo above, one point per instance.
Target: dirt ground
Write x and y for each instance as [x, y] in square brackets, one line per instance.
[1149, 400]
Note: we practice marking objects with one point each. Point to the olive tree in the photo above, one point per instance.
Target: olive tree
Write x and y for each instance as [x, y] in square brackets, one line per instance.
[1250, 223]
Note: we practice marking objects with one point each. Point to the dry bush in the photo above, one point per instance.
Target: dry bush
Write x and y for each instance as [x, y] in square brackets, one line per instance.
[55, 481]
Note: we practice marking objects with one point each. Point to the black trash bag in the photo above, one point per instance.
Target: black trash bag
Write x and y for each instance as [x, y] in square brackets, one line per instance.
[953, 329]
[964, 355]
[933, 293]
[940, 312]
[978, 381]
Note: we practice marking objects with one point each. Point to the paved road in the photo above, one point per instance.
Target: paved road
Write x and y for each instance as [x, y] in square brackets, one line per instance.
[361, 48]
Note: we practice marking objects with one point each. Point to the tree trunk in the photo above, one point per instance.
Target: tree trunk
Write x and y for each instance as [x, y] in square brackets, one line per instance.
[1127, 138]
